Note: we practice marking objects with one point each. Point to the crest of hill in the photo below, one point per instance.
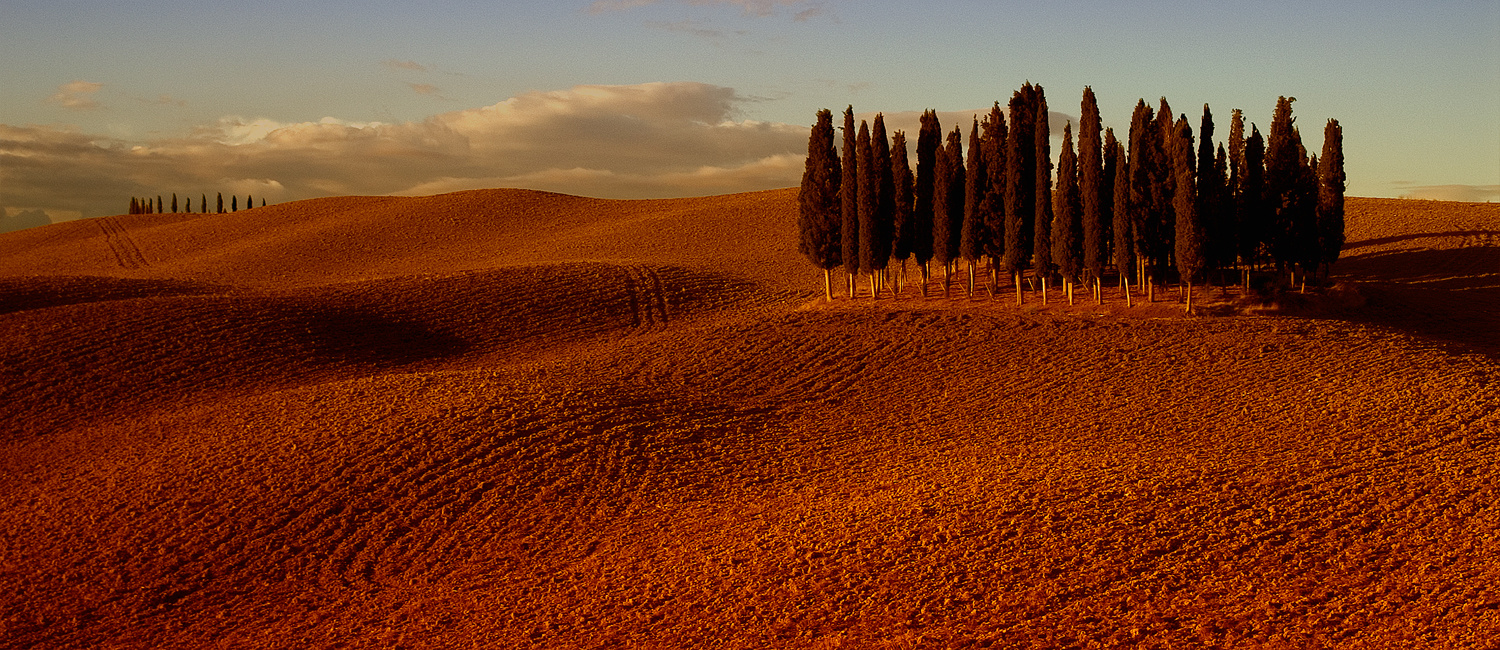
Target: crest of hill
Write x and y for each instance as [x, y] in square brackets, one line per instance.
[343, 239]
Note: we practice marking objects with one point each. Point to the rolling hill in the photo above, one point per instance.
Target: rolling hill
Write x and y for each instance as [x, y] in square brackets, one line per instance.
[509, 418]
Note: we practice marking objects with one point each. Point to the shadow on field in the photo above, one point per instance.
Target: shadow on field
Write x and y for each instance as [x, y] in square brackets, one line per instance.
[1421, 235]
[1451, 295]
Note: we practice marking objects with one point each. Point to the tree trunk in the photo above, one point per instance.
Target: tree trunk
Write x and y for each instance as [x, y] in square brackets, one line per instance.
[1189, 297]
[828, 284]
[1044, 289]
[1017, 275]
[926, 272]
[971, 279]
[1128, 302]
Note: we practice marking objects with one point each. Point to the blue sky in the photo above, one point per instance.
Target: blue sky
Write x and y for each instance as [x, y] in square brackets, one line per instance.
[102, 100]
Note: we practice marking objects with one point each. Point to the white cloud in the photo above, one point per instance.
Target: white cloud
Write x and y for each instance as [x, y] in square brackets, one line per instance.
[76, 95]
[647, 140]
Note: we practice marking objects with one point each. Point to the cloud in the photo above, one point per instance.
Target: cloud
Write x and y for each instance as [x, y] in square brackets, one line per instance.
[647, 140]
[757, 8]
[604, 6]
[76, 95]
[692, 27]
[413, 66]
[424, 89]
[752, 8]
[1466, 193]
[22, 220]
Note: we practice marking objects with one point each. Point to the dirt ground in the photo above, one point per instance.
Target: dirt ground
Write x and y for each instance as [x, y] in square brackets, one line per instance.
[512, 419]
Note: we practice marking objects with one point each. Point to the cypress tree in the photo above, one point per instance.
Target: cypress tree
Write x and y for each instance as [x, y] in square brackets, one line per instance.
[234, 203]
[221, 203]
[1217, 240]
[1189, 237]
[1020, 170]
[1331, 182]
[1090, 184]
[976, 177]
[885, 202]
[929, 140]
[1253, 209]
[1305, 236]
[1283, 167]
[994, 140]
[956, 184]
[1042, 244]
[1223, 204]
[1123, 239]
[943, 221]
[249, 202]
[864, 155]
[174, 203]
[134, 205]
[1235, 217]
[818, 219]
[904, 221]
[160, 207]
[203, 203]
[1141, 201]
[849, 200]
[262, 201]
[1066, 214]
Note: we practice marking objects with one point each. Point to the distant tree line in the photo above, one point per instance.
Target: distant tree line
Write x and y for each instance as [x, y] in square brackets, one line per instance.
[1147, 210]
[147, 206]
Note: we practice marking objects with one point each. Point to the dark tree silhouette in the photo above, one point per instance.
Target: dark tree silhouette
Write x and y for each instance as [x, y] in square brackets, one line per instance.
[234, 203]
[929, 140]
[904, 219]
[1090, 183]
[1189, 235]
[1223, 205]
[947, 204]
[885, 199]
[159, 206]
[174, 203]
[249, 202]
[994, 143]
[1283, 167]
[203, 203]
[1251, 207]
[1065, 215]
[976, 177]
[1331, 182]
[1208, 191]
[819, 218]
[221, 203]
[1042, 244]
[1020, 185]
[849, 200]
[866, 201]
[1123, 240]
[1144, 150]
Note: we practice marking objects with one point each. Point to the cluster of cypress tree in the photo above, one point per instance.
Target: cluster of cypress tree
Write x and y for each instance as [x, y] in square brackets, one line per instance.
[1157, 209]
[146, 206]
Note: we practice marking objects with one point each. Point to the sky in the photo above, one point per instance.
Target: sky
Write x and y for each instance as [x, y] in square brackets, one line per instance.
[102, 100]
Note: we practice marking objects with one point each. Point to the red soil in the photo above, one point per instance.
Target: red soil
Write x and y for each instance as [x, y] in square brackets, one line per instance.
[518, 419]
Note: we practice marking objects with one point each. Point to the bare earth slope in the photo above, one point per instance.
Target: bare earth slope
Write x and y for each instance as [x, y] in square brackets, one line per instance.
[517, 419]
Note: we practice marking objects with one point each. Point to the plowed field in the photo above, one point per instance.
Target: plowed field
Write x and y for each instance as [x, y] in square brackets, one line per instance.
[513, 419]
